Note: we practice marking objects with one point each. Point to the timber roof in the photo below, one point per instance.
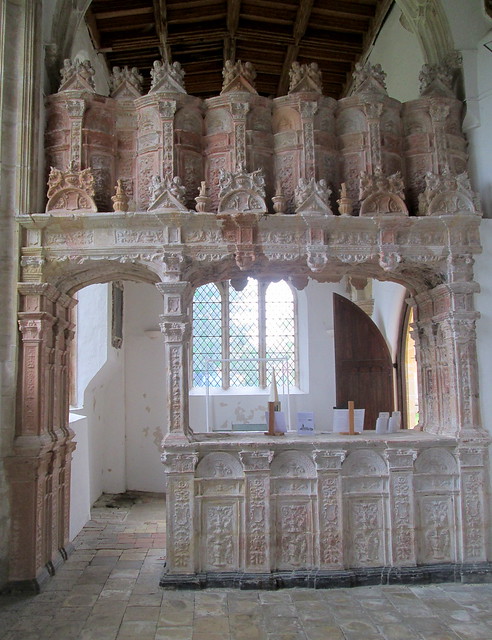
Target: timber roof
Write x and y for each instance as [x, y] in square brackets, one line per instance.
[202, 34]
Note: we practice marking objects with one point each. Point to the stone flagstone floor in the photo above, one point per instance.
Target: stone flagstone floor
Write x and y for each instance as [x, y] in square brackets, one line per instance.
[109, 590]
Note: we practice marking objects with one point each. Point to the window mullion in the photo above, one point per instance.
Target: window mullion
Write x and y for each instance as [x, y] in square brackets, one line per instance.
[226, 367]
[262, 286]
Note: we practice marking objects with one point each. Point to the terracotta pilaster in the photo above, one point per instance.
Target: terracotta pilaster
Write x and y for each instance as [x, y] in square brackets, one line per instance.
[239, 112]
[330, 509]
[308, 110]
[401, 492]
[167, 109]
[176, 328]
[258, 516]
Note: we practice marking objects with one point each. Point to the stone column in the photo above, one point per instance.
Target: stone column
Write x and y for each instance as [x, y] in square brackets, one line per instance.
[167, 109]
[473, 505]
[402, 510]
[330, 508]
[424, 335]
[239, 112]
[180, 514]
[373, 111]
[39, 468]
[308, 110]
[176, 328]
[258, 517]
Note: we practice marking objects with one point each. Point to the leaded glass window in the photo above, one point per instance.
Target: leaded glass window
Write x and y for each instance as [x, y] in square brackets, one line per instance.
[237, 333]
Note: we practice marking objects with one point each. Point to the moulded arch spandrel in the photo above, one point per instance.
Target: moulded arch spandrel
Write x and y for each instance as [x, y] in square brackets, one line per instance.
[364, 463]
[289, 464]
[219, 465]
[436, 461]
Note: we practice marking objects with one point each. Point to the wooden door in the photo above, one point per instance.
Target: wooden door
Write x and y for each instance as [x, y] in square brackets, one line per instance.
[363, 367]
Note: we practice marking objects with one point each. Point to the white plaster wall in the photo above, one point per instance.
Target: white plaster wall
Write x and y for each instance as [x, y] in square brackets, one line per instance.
[80, 498]
[82, 49]
[398, 52]
[389, 300]
[100, 392]
[145, 402]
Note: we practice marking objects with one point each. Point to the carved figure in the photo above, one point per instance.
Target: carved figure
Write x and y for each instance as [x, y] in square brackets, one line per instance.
[77, 75]
[312, 196]
[306, 77]
[169, 193]
[368, 78]
[167, 77]
[237, 70]
[130, 76]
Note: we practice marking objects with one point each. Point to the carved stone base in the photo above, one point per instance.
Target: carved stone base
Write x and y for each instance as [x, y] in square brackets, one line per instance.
[424, 574]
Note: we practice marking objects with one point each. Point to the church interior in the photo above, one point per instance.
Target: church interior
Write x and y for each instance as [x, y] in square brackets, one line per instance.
[243, 252]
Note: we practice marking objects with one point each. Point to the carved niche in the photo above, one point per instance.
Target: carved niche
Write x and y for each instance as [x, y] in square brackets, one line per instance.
[220, 485]
[365, 490]
[436, 495]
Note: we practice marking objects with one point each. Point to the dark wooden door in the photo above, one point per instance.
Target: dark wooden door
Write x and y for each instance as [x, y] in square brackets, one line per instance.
[363, 367]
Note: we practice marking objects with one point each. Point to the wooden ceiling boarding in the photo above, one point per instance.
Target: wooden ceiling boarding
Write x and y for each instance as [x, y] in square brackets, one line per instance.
[202, 34]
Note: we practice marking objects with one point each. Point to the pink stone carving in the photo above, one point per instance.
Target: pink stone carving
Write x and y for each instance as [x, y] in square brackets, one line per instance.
[381, 195]
[77, 75]
[242, 191]
[446, 194]
[238, 76]
[305, 77]
[167, 77]
[70, 191]
[125, 83]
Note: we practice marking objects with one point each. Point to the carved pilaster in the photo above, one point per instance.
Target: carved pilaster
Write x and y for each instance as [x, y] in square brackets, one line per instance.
[167, 109]
[373, 112]
[76, 109]
[239, 112]
[180, 512]
[176, 328]
[474, 516]
[330, 511]
[308, 110]
[401, 492]
[439, 112]
[257, 509]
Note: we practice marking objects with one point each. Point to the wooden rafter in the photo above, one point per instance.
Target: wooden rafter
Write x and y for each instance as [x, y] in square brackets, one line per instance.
[233, 12]
[160, 13]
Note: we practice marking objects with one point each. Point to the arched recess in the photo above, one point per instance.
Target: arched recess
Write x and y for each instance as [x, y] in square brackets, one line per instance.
[39, 469]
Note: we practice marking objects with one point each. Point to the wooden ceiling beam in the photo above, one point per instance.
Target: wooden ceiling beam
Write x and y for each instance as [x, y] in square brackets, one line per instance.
[232, 23]
[160, 13]
[94, 34]
[300, 26]
[119, 13]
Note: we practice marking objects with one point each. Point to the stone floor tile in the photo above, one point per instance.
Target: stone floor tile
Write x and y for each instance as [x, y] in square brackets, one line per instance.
[288, 635]
[284, 610]
[145, 599]
[174, 633]
[289, 624]
[398, 632]
[211, 624]
[137, 630]
[471, 631]
[143, 613]
[101, 633]
[274, 597]
[80, 600]
[323, 632]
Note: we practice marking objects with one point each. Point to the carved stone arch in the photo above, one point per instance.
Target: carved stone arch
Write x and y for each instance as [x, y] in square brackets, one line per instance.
[436, 461]
[74, 274]
[219, 465]
[293, 464]
[286, 119]
[364, 463]
[429, 23]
